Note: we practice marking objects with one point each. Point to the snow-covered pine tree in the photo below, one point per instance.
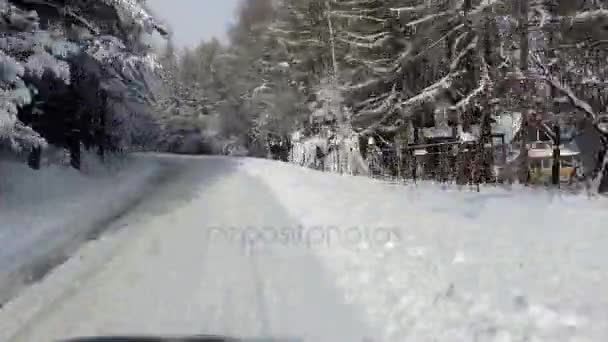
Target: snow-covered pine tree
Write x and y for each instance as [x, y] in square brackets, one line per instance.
[417, 62]
[69, 57]
[429, 63]
[14, 92]
[180, 105]
[301, 26]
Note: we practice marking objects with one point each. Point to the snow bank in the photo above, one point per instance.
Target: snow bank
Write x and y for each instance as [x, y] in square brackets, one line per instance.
[431, 263]
[46, 214]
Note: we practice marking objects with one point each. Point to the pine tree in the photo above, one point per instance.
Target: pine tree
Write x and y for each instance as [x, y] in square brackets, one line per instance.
[68, 57]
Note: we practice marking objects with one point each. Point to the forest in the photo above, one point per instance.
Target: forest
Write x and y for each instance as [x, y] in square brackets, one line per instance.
[462, 91]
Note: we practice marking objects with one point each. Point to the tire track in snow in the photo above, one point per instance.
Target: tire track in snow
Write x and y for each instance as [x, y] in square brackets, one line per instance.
[169, 190]
[262, 307]
[285, 290]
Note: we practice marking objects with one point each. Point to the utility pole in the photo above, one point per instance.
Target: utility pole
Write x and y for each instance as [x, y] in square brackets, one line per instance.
[468, 26]
[523, 65]
[552, 6]
[344, 129]
[485, 153]
[332, 41]
[464, 118]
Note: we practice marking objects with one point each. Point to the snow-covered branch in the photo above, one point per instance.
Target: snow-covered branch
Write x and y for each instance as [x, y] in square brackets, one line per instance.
[350, 15]
[427, 18]
[558, 85]
[431, 91]
[482, 88]
[470, 47]
[590, 15]
[408, 9]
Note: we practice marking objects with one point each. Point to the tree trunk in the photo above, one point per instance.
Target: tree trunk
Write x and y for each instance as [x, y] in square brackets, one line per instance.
[399, 156]
[414, 160]
[101, 137]
[332, 40]
[34, 158]
[74, 146]
[523, 153]
[523, 26]
[555, 170]
[600, 183]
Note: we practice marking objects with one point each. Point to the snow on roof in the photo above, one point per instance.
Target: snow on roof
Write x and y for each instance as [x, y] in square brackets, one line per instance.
[542, 153]
[421, 152]
[296, 136]
[467, 137]
[437, 132]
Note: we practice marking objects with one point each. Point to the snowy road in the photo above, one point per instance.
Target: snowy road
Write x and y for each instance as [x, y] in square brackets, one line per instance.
[167, 277]
[256, 248]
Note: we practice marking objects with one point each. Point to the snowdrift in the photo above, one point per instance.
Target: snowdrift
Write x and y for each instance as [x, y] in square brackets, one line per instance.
[498, 265]
[45, 215]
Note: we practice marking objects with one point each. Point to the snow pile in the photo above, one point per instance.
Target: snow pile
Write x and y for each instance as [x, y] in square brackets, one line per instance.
[431, 263]
[413, 263]
[45, 213]
[339, 155]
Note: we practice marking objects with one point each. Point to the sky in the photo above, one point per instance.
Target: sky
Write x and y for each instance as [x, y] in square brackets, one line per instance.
[195, 20]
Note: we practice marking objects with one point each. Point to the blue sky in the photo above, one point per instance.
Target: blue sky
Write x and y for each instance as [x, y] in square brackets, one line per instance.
[195, 20]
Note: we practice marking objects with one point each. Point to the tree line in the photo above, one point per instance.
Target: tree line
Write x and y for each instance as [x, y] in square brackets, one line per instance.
[75, 74]
[391, 69]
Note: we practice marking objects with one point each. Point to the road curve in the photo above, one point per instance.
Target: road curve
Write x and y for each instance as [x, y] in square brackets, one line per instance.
[180, 266]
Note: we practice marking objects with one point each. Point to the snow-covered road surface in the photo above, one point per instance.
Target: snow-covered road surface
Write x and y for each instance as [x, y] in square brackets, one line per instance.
[249, 247]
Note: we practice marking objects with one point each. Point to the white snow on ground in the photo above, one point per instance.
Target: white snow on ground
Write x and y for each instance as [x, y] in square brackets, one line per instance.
[165, 274]
[326, 257]
[43, 212]
[455, 265]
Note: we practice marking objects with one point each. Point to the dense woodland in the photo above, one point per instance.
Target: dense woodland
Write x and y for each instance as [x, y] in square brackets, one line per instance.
[358, 86]
[454, 76]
